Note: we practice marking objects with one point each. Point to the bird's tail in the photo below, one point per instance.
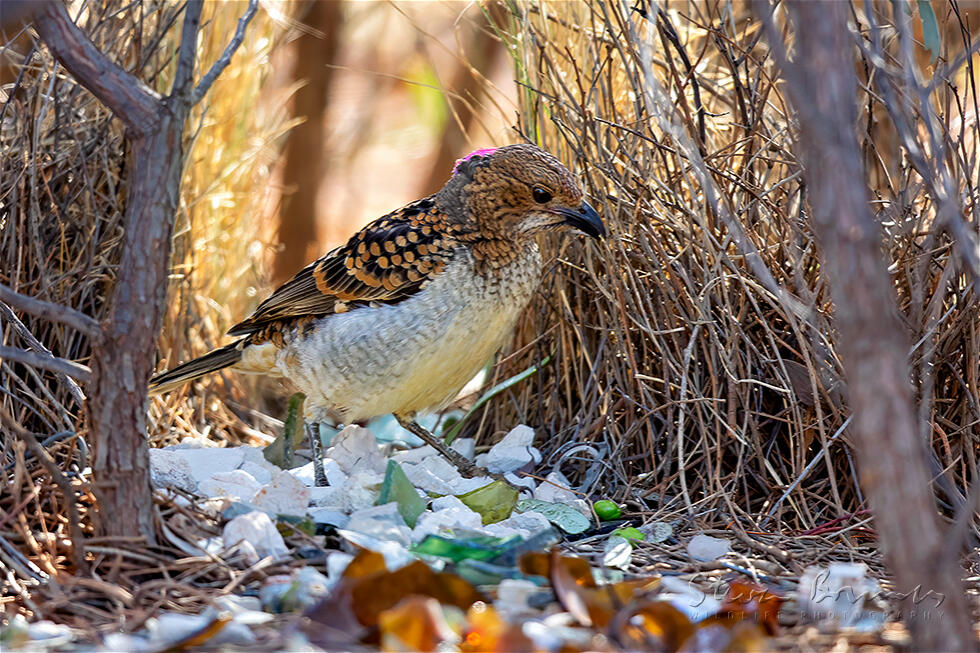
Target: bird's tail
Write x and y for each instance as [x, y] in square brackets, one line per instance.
[211, 362]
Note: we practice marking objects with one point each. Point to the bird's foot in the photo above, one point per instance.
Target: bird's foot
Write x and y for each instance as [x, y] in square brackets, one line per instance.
[465, 467]
[316, 446]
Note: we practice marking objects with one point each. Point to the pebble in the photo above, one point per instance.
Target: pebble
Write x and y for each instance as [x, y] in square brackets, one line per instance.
[285, 495]
[170, 469]
[257, 530]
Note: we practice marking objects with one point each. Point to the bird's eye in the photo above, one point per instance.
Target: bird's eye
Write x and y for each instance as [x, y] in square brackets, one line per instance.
[541, 196]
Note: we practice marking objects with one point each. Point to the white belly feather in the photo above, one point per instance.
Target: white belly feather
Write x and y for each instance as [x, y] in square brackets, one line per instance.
[412, 356]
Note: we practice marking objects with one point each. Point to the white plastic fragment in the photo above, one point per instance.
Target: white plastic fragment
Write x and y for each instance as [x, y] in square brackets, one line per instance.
[617, 552]
[256, 529]
[513, 452]
[236, 484]
[355, 449]
[837, 592]
[170, 469]
[285, 495]
[706, 548]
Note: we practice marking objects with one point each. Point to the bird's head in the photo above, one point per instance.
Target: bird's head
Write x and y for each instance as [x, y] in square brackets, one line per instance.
[517, 191]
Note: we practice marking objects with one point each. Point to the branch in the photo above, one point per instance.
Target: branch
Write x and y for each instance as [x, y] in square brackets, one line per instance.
[184, 77]
[36, 345]
[218, 67]
[76, 535]
[132, 101]
[47, 362]
[50, 311]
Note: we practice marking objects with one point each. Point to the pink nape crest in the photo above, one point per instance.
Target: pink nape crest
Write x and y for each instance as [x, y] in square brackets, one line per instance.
[486, 151]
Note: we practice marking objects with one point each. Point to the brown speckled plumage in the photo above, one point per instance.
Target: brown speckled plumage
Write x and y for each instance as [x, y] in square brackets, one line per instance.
[403, 314]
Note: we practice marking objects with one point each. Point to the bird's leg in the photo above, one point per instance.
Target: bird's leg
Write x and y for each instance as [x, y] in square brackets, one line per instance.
[465, 467]
[316, 445]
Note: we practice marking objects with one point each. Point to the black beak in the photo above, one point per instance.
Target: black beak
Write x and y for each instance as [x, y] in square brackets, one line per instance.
[585, 219]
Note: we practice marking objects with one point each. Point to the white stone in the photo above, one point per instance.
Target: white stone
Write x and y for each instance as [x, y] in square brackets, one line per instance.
[512, 598]
[434, 474]
[236, 484]
[449, 513]
[285, 495]
[382, 522]
[706, 548]
[837, 592]
[688, 598]
[582, 506]
[260, 473]
[330, 516]
[466, 447]
[256, 529]
[335, 475]
[330, 497]
[526, 482]
[363, 489]
[337, 562]
[555, 488]
[528, 524]
[207, 461]
[170, 469]
[513, 452]
[355, 450]
[171, 627]
[415, 455]
[462, 485]
[305, 474]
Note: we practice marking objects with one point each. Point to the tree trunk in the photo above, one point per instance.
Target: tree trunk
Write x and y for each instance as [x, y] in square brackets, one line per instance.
[303, 169]
[120, 364]
[873, 342]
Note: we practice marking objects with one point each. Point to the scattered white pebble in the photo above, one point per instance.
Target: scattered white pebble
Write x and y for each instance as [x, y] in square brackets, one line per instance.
[555, 488]
[706, 548]
[512, 598]
[285, 495]
[237, 484]
[170, 469]
[513, 452]
[355, 449]
[207, 461]
[256, 529]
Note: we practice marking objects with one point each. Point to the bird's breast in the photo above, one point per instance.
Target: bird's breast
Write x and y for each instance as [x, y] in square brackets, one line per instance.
[414, 355]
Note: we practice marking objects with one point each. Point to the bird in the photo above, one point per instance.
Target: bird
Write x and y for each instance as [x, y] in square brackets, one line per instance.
[399, 318]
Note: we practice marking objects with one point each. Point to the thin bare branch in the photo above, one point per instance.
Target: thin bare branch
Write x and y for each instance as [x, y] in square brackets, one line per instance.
[184, 77]
[67, 491]
[133, 102]
[47, 362]
[218, 67]
[7, 314]
[50, 311]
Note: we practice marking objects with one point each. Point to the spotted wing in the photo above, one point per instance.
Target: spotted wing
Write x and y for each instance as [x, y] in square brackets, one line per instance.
[388, 261]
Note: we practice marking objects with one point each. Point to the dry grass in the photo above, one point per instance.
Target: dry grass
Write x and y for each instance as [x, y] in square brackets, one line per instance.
[695, 349]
